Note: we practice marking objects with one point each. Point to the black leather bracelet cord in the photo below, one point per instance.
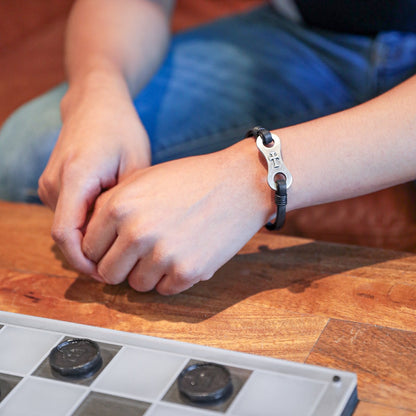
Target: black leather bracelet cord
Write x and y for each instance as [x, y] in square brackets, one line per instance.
[280, 199]
[279, 177]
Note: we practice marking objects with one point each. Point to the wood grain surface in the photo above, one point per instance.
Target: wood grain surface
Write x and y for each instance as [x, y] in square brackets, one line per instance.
[340, 306]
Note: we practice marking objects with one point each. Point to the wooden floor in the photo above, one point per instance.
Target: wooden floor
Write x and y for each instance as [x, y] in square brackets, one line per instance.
[341, 306]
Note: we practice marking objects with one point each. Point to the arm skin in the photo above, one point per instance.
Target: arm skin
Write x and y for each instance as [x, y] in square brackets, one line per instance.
[112, 49]
[354, 152]
[172, 225]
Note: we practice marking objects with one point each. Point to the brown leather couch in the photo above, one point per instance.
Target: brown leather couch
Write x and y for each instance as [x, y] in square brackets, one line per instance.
[31, 50]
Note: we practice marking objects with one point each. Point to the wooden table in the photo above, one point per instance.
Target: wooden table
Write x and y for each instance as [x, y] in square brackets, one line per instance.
[347, 307]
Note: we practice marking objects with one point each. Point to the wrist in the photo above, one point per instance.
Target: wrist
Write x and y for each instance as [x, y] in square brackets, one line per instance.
[98, 85]
[252, 169]
[295, 145]
[279, 177]
[99, 103]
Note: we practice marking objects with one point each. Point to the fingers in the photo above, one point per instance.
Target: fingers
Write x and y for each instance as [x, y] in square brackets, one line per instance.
[172, 285]
[100, 235]
[116, 262]
[169, 276]
[69, 220]
[121, 251]
[147, 273]
[69, 242]
[111, 240]
[48, 189]
[182, 274]
[144, 264]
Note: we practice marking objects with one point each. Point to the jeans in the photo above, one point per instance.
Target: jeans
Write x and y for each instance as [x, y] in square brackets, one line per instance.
[218, 81]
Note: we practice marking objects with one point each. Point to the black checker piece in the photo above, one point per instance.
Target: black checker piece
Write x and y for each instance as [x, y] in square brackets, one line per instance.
[205, 383]
[77, 358]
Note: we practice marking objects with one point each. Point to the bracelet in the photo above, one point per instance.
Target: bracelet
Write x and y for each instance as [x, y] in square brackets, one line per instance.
[278, 177]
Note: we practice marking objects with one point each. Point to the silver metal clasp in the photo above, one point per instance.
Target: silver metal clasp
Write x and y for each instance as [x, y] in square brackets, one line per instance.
[275, 164]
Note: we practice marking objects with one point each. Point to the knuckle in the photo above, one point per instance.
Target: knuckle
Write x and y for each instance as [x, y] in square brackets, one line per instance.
[46, 183]
[59, 235]
[160, 252]
[184, 273]
[42, 195]
[116, 210]
[71, 172]
[133, 238]
[140, 239]
[76, 167]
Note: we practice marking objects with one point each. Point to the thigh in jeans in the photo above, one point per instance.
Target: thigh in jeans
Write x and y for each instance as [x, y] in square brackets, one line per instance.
[218, 81]
[221, 79]
[26, 141]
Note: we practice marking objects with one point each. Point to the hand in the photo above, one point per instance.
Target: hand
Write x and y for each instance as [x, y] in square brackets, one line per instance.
[174, 224]
[101, 141]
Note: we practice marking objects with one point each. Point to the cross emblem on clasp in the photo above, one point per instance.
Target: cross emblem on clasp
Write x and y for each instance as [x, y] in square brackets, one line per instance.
[273, 157]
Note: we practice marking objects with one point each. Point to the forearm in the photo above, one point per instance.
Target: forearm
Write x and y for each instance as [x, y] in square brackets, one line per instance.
[354, 152]
[116, 44]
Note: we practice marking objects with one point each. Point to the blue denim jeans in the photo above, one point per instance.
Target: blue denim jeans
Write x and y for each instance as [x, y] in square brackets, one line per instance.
[219, 80]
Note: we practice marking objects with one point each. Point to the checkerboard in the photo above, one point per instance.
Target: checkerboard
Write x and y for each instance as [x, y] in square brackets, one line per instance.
[139, 376]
